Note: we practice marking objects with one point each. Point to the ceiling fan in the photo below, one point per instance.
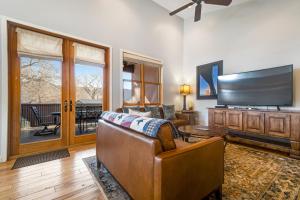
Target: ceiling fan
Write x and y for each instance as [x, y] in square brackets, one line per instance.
[199, 6]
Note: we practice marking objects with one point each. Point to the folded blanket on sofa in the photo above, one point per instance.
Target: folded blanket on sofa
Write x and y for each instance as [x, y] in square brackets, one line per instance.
[145, 125]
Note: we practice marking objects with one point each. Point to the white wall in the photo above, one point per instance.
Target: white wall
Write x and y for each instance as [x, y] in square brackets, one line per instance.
[137, 25]
[3, 91]
[258, 34]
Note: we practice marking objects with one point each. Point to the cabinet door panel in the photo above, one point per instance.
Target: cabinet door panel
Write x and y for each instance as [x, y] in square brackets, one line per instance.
[278, 124]
[219, 118]
[234, 120]
[254, 122]
[295, 127]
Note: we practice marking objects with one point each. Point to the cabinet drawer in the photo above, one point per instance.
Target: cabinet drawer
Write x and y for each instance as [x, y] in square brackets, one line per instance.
[278, 124]
[234, 120]
[254, 122]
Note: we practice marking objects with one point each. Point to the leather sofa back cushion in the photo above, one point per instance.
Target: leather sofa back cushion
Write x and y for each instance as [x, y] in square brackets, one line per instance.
[166, 138]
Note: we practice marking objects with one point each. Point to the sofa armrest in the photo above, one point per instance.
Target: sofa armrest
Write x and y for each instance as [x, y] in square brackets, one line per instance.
[190, 172]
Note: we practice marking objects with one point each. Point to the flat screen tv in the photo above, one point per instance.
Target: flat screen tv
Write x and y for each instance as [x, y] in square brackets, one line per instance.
[267, 87]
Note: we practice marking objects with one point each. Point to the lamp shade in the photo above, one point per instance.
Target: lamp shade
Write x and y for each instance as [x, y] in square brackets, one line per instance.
[185, 89]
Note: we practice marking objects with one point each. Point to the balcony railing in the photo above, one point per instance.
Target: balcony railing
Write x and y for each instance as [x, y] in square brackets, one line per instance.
[83, 112]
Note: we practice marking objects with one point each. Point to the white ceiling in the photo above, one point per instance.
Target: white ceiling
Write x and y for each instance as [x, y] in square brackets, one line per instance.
[189, 12]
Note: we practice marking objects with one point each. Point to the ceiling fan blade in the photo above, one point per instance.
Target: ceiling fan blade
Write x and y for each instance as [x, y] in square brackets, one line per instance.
[198, 12]
[219, 2]
[181, 8]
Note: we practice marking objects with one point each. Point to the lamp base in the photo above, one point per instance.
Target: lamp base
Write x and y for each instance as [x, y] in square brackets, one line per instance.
[184, 102]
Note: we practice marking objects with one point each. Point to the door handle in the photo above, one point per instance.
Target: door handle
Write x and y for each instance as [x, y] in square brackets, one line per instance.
[71, 105]
[66, 106]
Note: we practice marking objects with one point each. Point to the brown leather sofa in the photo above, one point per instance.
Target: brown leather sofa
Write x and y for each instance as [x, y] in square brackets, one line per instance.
[161, 169]
[180, 120]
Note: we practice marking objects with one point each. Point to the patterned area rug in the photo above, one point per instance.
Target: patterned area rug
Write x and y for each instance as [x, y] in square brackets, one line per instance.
[249, 174]
[109, 185]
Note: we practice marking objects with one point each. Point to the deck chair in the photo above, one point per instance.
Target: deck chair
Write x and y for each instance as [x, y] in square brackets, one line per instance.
[42, 122]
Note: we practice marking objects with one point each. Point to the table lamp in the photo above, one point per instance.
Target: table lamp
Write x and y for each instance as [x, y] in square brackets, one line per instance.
[185, 90]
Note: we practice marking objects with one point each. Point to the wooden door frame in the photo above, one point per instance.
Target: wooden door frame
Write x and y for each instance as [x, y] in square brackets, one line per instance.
[14, 146]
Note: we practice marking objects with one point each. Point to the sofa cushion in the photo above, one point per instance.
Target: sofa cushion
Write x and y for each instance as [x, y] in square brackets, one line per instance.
[155, 111]
[169, 112]
[166, 138]
[126, 109]
[142, 114]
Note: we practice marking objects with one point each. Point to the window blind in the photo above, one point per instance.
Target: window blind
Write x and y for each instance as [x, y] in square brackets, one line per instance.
[38, 45]
[87, 54]
[141, 60]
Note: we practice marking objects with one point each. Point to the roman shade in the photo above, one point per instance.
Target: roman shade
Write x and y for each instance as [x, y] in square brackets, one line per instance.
[38, 45]
[88, 54]
[141, 60]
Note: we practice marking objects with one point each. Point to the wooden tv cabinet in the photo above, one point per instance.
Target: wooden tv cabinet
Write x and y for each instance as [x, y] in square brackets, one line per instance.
[278, 130]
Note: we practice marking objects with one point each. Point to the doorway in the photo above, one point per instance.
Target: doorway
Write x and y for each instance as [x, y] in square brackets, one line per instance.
[58, 88]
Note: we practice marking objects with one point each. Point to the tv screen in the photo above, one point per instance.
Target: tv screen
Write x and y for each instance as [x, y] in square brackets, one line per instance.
[267, 87]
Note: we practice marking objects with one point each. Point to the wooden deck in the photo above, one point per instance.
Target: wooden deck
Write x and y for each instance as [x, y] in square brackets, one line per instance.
[66, 178]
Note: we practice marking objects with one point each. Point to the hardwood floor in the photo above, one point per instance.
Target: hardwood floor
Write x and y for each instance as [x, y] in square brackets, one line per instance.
[66, 178]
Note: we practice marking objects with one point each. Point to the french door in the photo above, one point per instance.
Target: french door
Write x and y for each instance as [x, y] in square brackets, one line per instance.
[87, 82]
[55, 99]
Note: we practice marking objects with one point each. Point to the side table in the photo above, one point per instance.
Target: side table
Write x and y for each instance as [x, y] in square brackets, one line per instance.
[191, 116]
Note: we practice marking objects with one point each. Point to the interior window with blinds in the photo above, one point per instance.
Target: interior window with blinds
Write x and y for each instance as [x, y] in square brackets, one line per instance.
[141, 80]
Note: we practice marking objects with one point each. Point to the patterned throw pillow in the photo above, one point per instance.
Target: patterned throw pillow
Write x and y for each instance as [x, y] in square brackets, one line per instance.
[169, 112]
[155, 111]
[126, 109]
[141, 114]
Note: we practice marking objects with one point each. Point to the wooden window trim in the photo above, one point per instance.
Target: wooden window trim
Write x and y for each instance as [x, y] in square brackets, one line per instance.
[143, 84]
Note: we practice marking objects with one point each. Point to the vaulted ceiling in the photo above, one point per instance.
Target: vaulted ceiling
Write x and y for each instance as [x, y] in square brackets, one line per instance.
[188, 13]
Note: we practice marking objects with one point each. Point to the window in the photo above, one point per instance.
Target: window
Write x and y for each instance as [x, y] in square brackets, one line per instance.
[141, 81]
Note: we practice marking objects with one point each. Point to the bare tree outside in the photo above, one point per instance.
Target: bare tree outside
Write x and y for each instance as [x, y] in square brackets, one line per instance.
[89, 82]
[40, 81]
[41, 96]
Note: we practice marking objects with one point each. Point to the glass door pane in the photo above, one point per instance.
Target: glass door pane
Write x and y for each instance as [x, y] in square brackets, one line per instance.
[89, 96]
[41, 94]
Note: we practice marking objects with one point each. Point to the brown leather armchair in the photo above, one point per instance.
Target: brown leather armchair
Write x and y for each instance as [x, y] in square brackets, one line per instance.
[148, 172]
